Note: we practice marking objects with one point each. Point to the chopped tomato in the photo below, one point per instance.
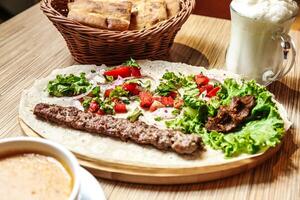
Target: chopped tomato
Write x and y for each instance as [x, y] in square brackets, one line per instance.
[94, 107]
[132, 88]
[136, 72]
[178, 103]
[201, 79]
[100, 112]
[173, 94]
[146, 99]
[107, 93]
[206, 88]
[213, 92]
[155, 105]
[167, 101]
[123, 71]
[120, 108]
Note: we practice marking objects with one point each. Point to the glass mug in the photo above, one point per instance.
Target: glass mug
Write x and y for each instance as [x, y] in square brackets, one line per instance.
[260, 50]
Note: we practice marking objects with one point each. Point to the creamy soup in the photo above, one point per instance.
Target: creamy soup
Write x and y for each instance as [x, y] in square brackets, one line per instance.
[33, 176]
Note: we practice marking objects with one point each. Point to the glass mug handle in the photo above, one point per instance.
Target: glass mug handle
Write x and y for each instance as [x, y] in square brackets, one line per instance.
[288, 46]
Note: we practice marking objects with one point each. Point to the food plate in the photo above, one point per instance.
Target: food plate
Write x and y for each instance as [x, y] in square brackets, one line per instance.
[127, 161]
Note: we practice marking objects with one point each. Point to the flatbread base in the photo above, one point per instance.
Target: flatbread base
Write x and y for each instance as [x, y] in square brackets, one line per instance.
[128, 155]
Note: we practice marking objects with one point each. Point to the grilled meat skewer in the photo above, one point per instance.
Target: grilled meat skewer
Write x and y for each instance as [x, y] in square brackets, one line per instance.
[138, 131]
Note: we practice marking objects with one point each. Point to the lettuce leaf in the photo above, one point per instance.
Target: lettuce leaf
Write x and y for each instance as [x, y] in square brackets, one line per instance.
[263, 130]
[255, 136]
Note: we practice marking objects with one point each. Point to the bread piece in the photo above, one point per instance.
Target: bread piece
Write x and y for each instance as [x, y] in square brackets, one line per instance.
[173, 7]
[101, 14]
[147, 13]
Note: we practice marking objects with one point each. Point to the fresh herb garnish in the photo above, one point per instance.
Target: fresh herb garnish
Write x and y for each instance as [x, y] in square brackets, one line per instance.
[96, 91]
[131, 63]
[118, 91]
[170, 82]
[68, 85]
[175, 112]
[86, 102]
[134, 116]
[93, 71]
[107, 106]
[158, 119]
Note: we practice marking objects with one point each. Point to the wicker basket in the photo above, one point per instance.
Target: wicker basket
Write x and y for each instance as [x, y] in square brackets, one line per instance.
[95, 46]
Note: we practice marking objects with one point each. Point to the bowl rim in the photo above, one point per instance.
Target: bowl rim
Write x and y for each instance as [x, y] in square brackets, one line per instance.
[73, 164]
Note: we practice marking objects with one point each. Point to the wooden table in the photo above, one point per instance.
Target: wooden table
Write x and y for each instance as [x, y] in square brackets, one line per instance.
[30, 48]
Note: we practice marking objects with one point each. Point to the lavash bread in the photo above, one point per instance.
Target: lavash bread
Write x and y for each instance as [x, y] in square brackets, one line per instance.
[106, 149]
[122, 14]
[111, 15]
[173, 7]
[147, 13]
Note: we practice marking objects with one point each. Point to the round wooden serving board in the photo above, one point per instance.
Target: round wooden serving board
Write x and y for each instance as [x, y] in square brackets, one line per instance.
[150, 175]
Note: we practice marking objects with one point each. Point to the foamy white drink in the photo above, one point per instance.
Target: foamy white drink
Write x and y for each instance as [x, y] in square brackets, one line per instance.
[257, 29]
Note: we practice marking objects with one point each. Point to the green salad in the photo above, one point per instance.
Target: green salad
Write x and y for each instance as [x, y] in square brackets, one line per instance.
[263, 128]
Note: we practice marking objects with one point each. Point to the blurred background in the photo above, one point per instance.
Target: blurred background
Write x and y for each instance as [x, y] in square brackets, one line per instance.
[212, 8]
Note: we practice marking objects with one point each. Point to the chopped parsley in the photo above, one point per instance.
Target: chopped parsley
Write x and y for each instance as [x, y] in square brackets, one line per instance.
[68, 85]
[118, 91]
[170, 82]
[131, 63]
[96, 91]
[134, 116]
[175, 112]
[158, 119]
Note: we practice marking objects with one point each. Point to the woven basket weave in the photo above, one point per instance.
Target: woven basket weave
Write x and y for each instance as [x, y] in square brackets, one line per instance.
[95, 46]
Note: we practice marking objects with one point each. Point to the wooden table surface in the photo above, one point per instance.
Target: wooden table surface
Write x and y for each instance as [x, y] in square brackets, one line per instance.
[30, 48]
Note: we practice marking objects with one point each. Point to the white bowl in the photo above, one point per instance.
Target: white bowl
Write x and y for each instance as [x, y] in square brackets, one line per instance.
[44, 147]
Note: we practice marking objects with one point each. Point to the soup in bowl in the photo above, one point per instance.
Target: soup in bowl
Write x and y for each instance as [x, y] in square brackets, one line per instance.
[33, 168]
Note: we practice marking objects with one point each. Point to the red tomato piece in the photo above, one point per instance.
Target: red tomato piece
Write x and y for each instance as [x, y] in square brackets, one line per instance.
[167, 101]
[107, 93]
[173, 94]
[200, 79]
[155, 105]
[120, 108]
[146, 99]
[178, 103]
[123, 71]
[207, 88]
[132, 88]
[136, 72]
[100, 112]
[94, 107]
[213, 92]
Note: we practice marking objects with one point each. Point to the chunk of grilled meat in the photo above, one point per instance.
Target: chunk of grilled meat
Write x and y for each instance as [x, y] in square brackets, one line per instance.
[138, 131]
[230, 117]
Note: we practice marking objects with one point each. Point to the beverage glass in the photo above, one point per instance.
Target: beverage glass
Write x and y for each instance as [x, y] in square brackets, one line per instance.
[260, 50]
